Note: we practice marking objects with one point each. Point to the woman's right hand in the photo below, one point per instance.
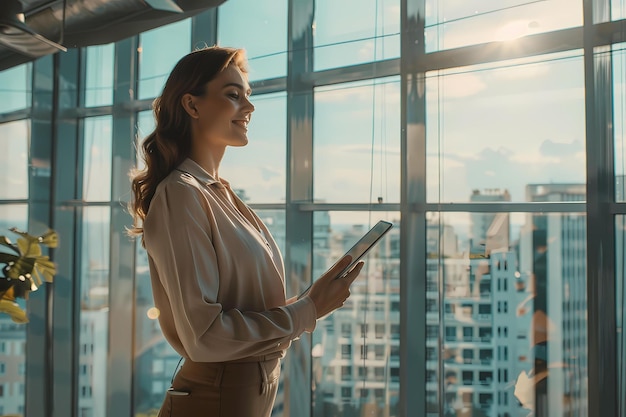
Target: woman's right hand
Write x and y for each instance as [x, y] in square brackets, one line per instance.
[329, 293]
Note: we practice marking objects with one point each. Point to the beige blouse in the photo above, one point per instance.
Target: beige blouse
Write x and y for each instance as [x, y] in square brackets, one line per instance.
[217, 274]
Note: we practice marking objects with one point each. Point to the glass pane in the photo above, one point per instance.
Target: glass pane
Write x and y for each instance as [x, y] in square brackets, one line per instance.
[620, 303]
[155, 360]
[267, 54]
[353, 32]
[356, 156]
[451, 23]
[97, 159]
[14, 142]
[503, 126]
[619, 113]
[258, 169]
[511, 291]
[99, 75]
[159, 50]
[355, 355]
[618, 9]
[13, 335]
[15, 90]
[94, 311]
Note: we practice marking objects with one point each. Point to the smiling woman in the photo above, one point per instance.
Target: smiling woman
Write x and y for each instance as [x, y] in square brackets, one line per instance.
[217, 274]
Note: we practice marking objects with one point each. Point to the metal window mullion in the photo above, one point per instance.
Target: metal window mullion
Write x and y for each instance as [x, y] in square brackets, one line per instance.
[122, 249]
[601, 320]
[66, 307]
[413, 223]
[299, 224]
[38, 391]
[204, 29]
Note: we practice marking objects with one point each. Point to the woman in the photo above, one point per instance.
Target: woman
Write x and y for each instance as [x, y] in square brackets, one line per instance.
[217, 274]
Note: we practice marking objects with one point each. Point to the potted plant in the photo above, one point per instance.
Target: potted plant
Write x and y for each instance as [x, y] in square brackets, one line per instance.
[25, 269]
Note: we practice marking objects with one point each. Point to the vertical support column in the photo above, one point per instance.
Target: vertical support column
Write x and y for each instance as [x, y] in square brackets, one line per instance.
[299, 225]
[204, 29]
[412, 208]
[601, 320]
[66, 174]
[39, 331]
[122, 260]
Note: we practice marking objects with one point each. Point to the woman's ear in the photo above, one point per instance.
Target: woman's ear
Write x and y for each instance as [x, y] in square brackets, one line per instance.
[188, 103]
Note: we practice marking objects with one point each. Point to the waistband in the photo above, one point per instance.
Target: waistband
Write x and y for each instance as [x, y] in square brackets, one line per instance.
[261, 358]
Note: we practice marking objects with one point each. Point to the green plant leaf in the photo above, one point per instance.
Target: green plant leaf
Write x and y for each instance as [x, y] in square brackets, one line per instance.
[45, 267]
[50, 239]
[29, 247]
[5, 258]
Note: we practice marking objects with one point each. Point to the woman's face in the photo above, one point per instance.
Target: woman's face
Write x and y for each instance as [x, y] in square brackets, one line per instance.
[220, 117]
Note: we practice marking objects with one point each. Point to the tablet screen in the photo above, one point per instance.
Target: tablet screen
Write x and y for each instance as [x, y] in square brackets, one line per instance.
[364, 244]
[360, 248]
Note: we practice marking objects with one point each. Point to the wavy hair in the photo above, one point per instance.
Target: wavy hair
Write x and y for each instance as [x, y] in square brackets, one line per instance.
[170, 142]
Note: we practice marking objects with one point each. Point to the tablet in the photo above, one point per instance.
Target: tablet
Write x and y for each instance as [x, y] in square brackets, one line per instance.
[360, 248]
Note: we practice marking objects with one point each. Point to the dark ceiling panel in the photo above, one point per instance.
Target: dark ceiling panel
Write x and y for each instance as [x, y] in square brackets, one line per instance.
[94, 22]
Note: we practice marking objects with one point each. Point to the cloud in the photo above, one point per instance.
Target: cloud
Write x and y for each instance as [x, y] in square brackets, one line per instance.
[560, 149]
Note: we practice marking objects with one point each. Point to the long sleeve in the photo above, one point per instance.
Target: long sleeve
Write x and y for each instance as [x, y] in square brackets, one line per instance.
[216, 280]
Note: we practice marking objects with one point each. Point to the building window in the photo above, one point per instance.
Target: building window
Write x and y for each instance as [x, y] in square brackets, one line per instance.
[346, 373]
[379, 330]
[346, 351]
[346, 330]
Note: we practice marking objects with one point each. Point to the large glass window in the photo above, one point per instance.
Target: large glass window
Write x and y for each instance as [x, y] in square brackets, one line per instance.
[356, 372]
[99, 75]
[94, 310]
[356, 152]
[355, 31]
[14, 142]
[528, 351]
[451, 23]
[159, 50]
[15, 88]
[12, 335]
[267, 54]
[504, 126]
[97, 159]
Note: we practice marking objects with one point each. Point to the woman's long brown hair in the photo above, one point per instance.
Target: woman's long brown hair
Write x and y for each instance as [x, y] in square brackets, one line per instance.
[170, 142]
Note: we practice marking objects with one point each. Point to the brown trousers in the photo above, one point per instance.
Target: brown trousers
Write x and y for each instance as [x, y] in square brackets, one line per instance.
[245, 388]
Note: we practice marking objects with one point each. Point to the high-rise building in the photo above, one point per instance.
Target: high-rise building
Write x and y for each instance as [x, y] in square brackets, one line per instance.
[554, 249]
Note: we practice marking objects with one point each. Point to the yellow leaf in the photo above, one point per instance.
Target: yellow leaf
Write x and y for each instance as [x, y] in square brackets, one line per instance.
[50, 239]
[14, 311]
[29, 247]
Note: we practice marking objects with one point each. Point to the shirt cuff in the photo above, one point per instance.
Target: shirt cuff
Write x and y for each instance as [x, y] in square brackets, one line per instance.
[304, 315]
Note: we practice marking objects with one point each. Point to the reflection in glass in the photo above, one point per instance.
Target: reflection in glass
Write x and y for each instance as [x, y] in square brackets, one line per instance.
[505, 125]
[14, 142]
[15, 88]
[13, 335]
[452, 24]
[620, 303]
[258, 169]
[353, 32]
[94, 310]
[356, 349]
[511, 289]
[267, 54]
[356, 144]
[159, 50]
[99, 75]
[97, 159]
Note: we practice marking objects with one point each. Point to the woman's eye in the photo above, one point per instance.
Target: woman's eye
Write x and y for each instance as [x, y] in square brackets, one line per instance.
[234, 95]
